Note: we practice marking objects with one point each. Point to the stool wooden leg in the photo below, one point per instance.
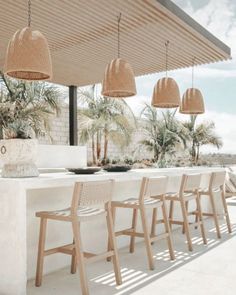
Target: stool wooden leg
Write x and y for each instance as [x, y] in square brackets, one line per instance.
[112, 239]
[226, 212]
[41, 246]
[196, 215]
[171, 213]
[167, 229]
[154, 222]
[80, 260]
[113, 212]
[134, 225]
[73, 261]
[213, 207]
[200, 218]
[147, 238]
[185, 218]
[186, 206]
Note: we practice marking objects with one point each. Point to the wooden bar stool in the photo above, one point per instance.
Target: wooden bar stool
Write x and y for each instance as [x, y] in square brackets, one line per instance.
[217, 185]
[90, 200]
[150, 188]
[190, 185]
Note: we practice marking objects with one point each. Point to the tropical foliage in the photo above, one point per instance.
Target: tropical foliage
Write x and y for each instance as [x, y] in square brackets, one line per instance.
[164, 134]
[25, 107]
[201, 134]
[103, 119]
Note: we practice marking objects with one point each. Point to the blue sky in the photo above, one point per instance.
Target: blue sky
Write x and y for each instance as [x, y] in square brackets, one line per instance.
[217, 81]
[219, 17]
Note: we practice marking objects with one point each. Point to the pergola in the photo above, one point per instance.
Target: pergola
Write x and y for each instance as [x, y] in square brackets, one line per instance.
[82, 36]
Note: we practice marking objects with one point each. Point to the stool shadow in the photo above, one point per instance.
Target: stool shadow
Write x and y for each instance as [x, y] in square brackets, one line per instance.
[134, 267]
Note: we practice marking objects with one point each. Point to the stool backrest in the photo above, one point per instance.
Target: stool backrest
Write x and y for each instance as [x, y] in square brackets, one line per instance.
[190, 183]
[92, 193]
[217, 180]
[153, 187]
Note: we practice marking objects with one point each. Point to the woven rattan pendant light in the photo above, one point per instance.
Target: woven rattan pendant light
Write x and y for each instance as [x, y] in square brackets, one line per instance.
[166, 91]
[28, 56]
[119, 78]
[192, 101]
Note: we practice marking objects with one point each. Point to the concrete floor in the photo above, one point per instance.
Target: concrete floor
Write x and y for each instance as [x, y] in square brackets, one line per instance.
[207, 270]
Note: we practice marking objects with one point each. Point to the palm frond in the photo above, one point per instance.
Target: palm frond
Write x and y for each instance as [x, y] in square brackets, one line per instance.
[31, 103]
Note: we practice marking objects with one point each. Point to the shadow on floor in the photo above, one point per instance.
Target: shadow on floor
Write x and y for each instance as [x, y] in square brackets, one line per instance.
[231, 201]
[135, 273]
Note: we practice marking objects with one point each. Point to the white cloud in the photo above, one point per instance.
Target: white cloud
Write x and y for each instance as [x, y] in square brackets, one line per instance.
[226, 129]
[206, 72]
[219, 17]
[137, 103]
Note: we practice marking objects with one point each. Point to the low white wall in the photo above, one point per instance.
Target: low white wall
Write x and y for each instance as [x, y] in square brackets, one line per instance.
[61, 156]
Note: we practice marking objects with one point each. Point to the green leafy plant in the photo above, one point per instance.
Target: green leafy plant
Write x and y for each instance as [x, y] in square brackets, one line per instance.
[25, 107]
[18, 129]
[104, 119]
[164, 134]
[200, 135]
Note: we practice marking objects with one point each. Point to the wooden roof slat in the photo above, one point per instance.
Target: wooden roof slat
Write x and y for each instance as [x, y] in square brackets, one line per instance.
[82, 36]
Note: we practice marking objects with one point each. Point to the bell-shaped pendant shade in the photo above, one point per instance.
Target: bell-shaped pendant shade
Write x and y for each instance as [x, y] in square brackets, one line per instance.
[166, 94]
[28, 56]
[192, 102]
[118, 79]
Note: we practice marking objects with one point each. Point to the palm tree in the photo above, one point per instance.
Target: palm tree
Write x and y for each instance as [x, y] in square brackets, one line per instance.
[201, 134]
[104, 119]
[25, 107]
[89, 121]
[164, 133]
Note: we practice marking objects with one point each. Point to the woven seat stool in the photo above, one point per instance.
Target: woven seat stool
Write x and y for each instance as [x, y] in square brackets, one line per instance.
[189, 191]
[217, 185]
[89, 201]
[150, 188]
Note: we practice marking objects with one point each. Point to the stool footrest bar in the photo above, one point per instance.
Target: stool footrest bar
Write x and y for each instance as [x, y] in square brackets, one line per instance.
[159, 237]
[66, 249]
[91, 257]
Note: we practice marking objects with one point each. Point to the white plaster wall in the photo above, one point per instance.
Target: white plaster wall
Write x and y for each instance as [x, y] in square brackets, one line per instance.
[61, 156]
[12, 239]
[59, 135]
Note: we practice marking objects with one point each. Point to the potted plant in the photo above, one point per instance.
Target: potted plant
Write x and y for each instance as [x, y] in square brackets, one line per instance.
[25, 109]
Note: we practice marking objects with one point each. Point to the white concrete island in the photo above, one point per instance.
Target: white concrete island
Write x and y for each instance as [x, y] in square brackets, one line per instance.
[19, 228]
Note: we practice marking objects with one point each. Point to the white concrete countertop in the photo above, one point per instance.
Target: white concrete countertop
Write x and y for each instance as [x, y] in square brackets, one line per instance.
[63, 179]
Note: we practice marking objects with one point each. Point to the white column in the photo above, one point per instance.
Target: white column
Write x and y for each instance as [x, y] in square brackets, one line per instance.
[12, 238]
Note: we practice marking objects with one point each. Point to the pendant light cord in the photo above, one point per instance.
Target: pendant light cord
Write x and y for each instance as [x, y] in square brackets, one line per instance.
[118, 33]
[193, 64]
[29, 13]
[167, 48]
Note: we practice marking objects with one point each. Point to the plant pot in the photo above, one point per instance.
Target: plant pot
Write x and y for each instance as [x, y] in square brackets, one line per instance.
[18, 157]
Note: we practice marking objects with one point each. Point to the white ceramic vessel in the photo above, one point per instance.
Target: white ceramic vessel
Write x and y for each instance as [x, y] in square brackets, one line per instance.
[19, 157]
